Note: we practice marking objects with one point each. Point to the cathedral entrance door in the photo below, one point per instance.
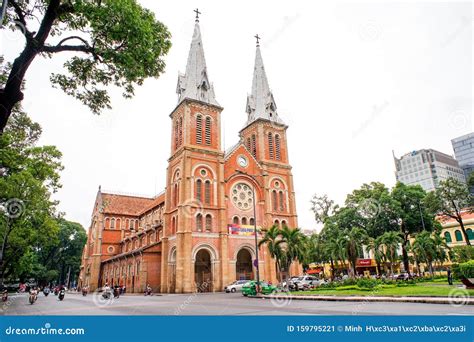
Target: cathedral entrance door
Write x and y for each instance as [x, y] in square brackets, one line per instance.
[203, 271]
[243, 266]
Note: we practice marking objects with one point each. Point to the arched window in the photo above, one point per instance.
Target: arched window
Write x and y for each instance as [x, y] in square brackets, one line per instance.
[207, 192]
[127, 224]
[252, 221]
[176, 195]
[470, 234]
[244, 221]
[208, 130]
[254, 145]
[235, 220]
[173, 226]
[270, 145]
[180, 131]
[107, 223]
[208, 222]
[176, 134]
[199, 130]
[447, 237]
[276, 223]
[199, 190]
[277, 147]
[284, 224]
[458, 235]
[112, 223]
[199, 222]
[282, 203]
[274, 200]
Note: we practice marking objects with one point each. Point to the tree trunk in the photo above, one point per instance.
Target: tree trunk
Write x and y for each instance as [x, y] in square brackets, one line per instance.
[12, 94]
[463, 229]
[333, 270]
[406, 260]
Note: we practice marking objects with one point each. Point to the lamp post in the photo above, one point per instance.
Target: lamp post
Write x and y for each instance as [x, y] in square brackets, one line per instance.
[257, 268]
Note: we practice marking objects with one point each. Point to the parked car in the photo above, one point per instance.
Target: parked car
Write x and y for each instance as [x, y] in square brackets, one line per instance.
[235, 286]
[304, 283]
[290, 282]
[403, 276]
[249, 288]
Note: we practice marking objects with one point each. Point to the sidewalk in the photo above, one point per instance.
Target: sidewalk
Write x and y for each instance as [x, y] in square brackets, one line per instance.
[426, 300]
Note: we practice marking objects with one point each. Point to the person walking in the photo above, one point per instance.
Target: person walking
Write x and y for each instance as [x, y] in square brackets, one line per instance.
[450, 276]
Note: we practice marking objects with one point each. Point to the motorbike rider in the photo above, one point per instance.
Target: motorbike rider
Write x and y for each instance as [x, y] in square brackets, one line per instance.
[85, 290]
[33, 294]
[148, 290]
[4, 295]
[106, 292]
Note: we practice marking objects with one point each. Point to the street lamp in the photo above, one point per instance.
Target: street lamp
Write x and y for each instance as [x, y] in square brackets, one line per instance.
[254, 226]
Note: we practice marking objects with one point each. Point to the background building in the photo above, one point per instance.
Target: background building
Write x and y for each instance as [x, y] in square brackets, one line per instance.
[427, 168]
[464, 151]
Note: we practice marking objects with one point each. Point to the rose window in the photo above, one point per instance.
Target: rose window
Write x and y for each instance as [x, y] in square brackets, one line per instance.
[242, 196]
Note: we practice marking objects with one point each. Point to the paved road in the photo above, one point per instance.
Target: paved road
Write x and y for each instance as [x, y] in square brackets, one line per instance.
[214, 304]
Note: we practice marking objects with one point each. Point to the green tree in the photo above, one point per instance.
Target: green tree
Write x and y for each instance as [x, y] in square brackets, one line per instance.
[425, 249]
[390, 242]
[376, 246]
[413, 214]
[355, 239]
[323, 207]
[30, 174]
[291, 242]
[450, 199]
[271, 239]
[115, 43]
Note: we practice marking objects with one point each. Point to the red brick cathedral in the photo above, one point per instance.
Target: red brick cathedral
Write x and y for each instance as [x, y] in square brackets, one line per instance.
[198, 235]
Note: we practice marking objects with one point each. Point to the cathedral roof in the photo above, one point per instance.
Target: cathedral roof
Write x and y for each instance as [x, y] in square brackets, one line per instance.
[124, 204]
[260, 103]
[195, 84]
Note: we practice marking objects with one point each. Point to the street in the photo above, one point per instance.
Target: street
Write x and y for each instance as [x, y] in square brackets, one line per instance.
[212, 304]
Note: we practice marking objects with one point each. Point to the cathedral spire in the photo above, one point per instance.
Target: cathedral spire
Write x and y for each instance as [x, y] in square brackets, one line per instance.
[260, 103]
[194, 84]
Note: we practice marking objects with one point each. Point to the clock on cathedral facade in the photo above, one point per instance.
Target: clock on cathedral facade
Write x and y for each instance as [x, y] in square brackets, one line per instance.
[198, 234]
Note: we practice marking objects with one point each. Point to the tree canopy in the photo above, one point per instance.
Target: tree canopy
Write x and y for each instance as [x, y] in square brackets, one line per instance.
[113, 43]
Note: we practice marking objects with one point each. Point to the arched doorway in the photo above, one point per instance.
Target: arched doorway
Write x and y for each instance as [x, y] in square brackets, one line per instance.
[203, 271]
[243, 266]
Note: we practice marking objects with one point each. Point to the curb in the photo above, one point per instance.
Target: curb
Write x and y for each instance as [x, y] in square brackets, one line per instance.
[424, 300]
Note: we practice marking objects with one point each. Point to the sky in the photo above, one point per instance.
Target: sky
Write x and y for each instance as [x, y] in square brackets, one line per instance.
[353, 81]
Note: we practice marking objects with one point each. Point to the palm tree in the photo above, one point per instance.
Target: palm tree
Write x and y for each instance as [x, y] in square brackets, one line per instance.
[375, 245]
[440, 246]
[291, 243]
[355, 238]
[271, 239]
[425, 249]
[391, 242]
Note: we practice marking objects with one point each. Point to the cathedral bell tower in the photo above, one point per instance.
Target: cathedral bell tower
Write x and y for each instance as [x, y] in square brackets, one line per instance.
[264, 135]
[193, 186]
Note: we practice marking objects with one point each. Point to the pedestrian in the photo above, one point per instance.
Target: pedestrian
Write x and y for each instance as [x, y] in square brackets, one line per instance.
[450, 276]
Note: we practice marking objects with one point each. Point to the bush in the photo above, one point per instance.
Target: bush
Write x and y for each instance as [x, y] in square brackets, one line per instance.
[466, 269]
[463, 253]
[367, 283]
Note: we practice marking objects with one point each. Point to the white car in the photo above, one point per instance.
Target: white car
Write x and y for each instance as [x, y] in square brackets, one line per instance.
[235, 286]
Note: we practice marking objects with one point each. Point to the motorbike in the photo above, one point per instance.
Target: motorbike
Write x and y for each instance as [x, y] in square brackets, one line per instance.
[84, 292]
[148, 292]
[33, 297]
[61, 294]
[5, 296]
[46, 291]
[106, 294]
[116, 292]
[56, 291]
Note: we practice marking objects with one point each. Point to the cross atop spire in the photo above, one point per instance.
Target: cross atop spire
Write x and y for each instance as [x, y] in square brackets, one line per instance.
[195, 84]
[197, 14]
[258, 39]
[260, 103]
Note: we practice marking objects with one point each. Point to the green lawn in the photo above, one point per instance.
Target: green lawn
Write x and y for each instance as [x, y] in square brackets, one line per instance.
[388, 290]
